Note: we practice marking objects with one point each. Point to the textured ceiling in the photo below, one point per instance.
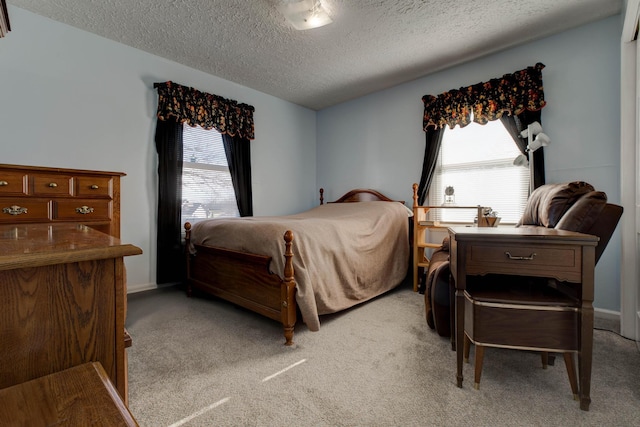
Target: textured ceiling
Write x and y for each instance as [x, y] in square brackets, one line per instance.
[371, 44]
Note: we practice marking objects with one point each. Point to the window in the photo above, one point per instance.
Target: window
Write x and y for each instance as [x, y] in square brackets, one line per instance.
[207, 190]
[477, 161]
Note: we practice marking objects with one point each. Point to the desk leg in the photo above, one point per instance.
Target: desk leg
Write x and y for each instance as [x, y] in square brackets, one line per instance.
[459, 334]
[585, 354]
[452, 311]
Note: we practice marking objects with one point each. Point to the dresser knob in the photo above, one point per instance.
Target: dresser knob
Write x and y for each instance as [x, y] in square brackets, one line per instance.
[14, 210]
[3, 183]
[94, 187]
[53, 185]
[84, 210]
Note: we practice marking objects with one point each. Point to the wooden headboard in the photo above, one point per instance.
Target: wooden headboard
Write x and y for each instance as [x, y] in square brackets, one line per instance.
[360, 195]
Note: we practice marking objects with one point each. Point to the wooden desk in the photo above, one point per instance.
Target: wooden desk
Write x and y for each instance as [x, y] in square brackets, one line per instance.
[79, 396]
[527, 251]
[62, 301]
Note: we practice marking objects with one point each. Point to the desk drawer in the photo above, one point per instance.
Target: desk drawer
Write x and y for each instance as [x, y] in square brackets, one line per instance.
[513, 259]
[523, 326]
[517, 255]
[82, 210]
[14, 210]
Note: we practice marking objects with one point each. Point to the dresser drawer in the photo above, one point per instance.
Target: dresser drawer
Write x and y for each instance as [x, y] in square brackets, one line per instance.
[81, 210]
[89, 186]
[13, 183]
[51, 185]
[23, 210]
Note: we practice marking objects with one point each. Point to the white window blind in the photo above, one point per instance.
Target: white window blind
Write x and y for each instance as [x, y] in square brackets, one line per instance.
[207, 190]
[477, 161]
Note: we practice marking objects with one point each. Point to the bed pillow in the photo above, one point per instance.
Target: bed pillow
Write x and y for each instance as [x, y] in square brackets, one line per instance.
[584, 213]
[549, 202]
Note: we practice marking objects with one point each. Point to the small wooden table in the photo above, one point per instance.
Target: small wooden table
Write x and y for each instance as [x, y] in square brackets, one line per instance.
[79, 396]
[527, 251]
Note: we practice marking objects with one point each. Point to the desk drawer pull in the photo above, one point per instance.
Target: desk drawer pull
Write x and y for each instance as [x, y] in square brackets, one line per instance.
[520, 258]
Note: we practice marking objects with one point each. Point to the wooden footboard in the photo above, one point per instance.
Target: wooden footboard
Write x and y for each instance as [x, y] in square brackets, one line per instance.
[244, 279]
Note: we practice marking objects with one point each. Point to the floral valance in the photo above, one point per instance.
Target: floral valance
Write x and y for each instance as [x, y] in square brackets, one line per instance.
[511, 94]
[188, 105]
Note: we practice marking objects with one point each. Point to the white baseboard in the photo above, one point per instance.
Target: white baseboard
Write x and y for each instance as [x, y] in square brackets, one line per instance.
[140, 287]
[602, 313]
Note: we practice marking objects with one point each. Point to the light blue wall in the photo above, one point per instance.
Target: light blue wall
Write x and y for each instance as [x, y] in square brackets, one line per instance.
[73, 99]
[377, 141]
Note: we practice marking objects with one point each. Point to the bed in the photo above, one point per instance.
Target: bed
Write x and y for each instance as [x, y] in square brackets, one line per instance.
[317, 262]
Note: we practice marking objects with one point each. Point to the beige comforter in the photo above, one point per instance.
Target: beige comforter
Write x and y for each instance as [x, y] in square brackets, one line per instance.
[344, 253]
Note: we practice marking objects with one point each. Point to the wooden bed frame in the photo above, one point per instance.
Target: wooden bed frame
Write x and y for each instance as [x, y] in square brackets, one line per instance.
[244, 278]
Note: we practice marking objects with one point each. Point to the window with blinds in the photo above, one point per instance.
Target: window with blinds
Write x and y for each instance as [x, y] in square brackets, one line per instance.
[477, 161]
[207, 190]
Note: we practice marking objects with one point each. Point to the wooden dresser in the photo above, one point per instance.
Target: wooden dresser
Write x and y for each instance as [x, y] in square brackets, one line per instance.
[62, 278]
[62, 301]
[31, 194]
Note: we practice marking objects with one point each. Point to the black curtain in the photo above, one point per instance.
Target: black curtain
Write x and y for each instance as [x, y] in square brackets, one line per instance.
[170, 261]
[515, 125]
[238, 152]
[432, 148]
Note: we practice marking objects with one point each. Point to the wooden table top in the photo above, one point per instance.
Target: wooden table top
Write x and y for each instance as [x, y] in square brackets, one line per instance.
[521, 233]
[36, 245]
[79, 396]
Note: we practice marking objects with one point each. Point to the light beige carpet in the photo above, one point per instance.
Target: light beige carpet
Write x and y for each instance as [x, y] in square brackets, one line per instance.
[203, 362]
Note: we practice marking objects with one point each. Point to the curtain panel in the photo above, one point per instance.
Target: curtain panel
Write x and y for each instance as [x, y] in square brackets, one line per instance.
[238, 152]
[511, 94]
[431, 150]
[170, 265]
[516, 124]
[186, 104]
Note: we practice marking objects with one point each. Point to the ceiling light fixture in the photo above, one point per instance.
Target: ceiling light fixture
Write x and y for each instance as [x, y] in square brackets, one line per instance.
[305, 14]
